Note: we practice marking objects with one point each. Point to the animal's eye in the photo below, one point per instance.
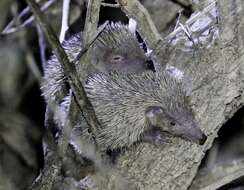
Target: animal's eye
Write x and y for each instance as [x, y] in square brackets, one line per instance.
[172, 123]
[117, 58]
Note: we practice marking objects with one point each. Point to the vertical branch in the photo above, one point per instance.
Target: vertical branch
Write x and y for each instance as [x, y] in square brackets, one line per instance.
[92, 18]
[134, 9]
[42, 45]
[90, 30]
[53, 160]
[65, 20]
[69, 69]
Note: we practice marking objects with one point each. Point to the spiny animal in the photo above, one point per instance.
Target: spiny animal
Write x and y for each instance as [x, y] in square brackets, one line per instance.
[145, 106]
[116, 49]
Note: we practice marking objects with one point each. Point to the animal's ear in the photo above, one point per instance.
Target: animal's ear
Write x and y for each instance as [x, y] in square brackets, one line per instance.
[153, 114]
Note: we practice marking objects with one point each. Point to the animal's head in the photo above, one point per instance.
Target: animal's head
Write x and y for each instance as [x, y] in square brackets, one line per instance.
[117, 49]
[175, 115]
[179, 123]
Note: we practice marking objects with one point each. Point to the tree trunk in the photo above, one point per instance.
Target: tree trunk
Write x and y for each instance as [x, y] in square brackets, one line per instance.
[217, 94]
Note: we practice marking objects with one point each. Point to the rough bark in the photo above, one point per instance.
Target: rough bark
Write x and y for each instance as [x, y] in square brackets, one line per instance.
[218, 83]
[218, 176]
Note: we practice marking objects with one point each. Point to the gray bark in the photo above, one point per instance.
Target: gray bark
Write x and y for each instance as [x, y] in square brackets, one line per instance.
[218, 93]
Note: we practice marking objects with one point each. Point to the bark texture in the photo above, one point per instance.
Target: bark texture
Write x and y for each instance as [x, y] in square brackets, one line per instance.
[217, 94]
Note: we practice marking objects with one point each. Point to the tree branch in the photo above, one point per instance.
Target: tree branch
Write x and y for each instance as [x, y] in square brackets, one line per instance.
[134, 9]
[69, 69]
[216, 75]
[54, 162]
[92, 18]
[65, 20]
[10, 28]
[218, 176]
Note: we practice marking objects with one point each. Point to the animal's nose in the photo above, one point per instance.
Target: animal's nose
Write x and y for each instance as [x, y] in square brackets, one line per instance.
[203, 139]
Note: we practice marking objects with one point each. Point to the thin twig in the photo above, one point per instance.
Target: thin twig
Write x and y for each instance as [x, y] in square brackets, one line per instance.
[134, 9]
[110, 5]
[92, 40]
[147, 29]
[92, 18]
[10, 27]
[65, 20]
[81, 98]
[32, 65]
[90, 29]
[191, 20]
[42, 45]
[69, 69]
